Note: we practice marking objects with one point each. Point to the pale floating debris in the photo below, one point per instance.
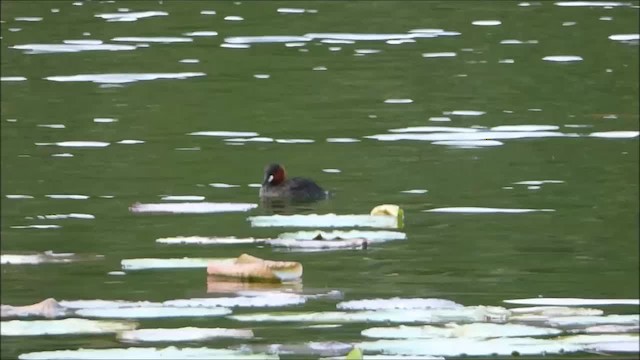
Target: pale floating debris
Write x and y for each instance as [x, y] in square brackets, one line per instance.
[250, 268]
[533, 187]
[201, 33]
[294, 141]
[130, 142]
[255, 185]
[207, 12]
[224, 133]
[602, 329]
[189, 61]
[332, 171]
[398, 101]
[262, 299]
[432, 129]
[372, 236]
[342, 140]
[235, 46]
[105, 304]
[336, 41]
[605, 18]
[264, 39]
[591, 3]
[305, 350]
[34, 259]
[398, 303]
[251, 139]
[319, 68]
[13, 78]
[153, 39]
[549, 311]
[184, 263]
[573, 321]
[123, 78]
[465, 112]
[610, 116]
[438, 54]
[367, 51]
[66, 216]
[562, 58]
[468, 143]
[261, 76]
[539, 182]
[357, 37]
[399, 41]
[324, 326]
[170, 352]
[415, 191]
[144, 312]
[183, 334]
[291, 11]
[572, 301]
[52, 126]
[64, 196]
[525, 128]
[484, 210]
[77, 144]
[83, 42]
[195, 148]
[327, 220]
[506, 61]
[201, 240]
[466, 314]
[63, 327]
[480, 135]
[569, 23]
[615, 134]
[517, 42]
[233, 18]
[182, 198]
[486, 22]
[37, 226]
[70, 48]
[48, 308]
[116, 273]
[294, 44]
[439, 118]
[192, 208]
[223, 185]
[107, 196]
[28, 18]
[524, 4]
[18, 196]
[130, 16]
[318, 245]
[104, 120]
[625, 37]
[477, 331]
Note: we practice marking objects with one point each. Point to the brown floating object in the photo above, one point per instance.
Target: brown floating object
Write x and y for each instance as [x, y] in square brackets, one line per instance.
[251, 268]
[48, 308]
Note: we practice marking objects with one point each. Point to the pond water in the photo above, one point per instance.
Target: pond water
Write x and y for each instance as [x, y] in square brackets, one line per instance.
[427, 105]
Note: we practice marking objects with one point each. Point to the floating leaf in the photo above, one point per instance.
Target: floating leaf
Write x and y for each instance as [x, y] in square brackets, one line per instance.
[398, 303]
[477, 330]
[183, 334]
[63, 327]
[142, 353]
[191, 207]
[151, 312]
[251, 268]
[573, 301]
[327, 220]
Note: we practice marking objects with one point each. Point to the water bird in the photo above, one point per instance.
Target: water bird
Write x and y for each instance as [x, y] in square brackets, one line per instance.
[277, 185]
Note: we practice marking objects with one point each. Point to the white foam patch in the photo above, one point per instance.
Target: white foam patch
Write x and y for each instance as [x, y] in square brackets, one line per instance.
[182, 198]
[66, 216]
[252, 139]
[224, 133]
[439, 54]
[625, 37]
[130, 142]
[36, 226]
[591, 3]
[415, 191]
[466, 314]
[223, 185]
[398, 303]
[572, 301]
[328, 220]
[342, 140]
[143, 312]
[67, 197]
[170, 352]
[201, 33]
[153, 39]
[294, 141]
[615, 134]
[479, 135]
[525, 128]
[77, 144]
[183, 334]
[192, 208]
[432, 129]
[13, 78]
[184, 263]
[538, 182]
[562, 58]
[63, 327]
[201, 240]
[130, 16]
[52, 126]
[19, 196]
[371, 236]
[398, 101]
[468, 143]
[70, 48]
[123, 78]
[486, 22]
[484, 210]
[265, 39]
[477, 330]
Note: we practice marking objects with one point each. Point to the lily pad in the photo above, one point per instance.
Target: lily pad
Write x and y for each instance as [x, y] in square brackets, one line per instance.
[200, 240]
[63, 327]
[327, 220]
[143, 312]
[48, 308]
[191, 207]
[183, 334]
[398, 303]
[372, 236]
[476, 330]
[318, 245]
[142, 353]
[572, 301]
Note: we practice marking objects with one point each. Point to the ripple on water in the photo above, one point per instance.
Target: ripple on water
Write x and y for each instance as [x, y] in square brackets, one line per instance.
[52, 126]
[290, 11]
[438, 54]
[77, 144]
[233, 18]
[486, 210]
[201, 33]
[331, 171]
[207, 12]
[265, 39]
[224, 133]
[342, 140]
[130, 142]
[153, 39]
[525, 128]
[19, 196]
[130, 16]
[261, 76]
[562, 58]
[189, 61]
[251, 139]
[468, 144]
[294, 141]
[104, 120]
[591, 3]
[182, 198]
[70, 48]
[13, 78]
[464, 112]
[62, 155]
[122, 78]
[486, 22]
[67, 197]
[28, 18]
[223, 185]
[398, 101]
[517, 42]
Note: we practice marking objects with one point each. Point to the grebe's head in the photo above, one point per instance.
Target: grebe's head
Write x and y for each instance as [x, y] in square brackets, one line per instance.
[273, 174]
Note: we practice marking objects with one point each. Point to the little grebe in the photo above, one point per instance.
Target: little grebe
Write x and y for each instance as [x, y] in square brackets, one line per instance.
[276, 185]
